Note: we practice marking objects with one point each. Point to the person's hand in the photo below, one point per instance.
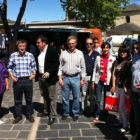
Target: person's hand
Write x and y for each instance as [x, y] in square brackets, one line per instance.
[113, 89]
[32, 77]
[7, 87]
[93, 86]
[61, 83]
[46, 75]
[138, 86]
[14, 78]
[82, 82]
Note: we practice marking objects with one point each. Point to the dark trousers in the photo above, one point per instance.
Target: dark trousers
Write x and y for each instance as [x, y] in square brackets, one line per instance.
[23, 86]
[48, 93]
[136, 105]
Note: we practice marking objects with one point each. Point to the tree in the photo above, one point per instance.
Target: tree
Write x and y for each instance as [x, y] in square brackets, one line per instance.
[12, 37]
[95, 13]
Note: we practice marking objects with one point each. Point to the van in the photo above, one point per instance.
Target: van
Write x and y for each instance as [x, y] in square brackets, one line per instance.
[118, 39]
[129, 42]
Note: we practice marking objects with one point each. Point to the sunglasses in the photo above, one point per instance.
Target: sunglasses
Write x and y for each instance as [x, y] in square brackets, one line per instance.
[135, 48]
[95, 42]
[89, 43]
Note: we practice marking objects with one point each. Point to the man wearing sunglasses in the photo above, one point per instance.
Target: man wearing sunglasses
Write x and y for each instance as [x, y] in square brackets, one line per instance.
[90, 55]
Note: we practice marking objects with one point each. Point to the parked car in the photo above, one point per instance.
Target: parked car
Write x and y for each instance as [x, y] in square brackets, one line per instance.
[129, 42]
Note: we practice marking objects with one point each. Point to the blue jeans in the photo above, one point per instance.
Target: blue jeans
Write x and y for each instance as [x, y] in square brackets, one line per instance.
[71, 83]
[98, 91]
[136, 105]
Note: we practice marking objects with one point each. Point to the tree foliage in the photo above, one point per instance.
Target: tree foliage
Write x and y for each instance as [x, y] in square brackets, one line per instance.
[95, 13]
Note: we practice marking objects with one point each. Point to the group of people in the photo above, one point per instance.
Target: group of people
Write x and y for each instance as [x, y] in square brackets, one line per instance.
[86, 74]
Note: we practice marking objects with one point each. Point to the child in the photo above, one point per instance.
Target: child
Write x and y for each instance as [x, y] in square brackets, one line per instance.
[4, 82]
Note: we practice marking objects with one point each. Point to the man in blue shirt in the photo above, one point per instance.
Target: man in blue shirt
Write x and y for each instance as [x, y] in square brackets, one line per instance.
[90, 55]
[22, 69]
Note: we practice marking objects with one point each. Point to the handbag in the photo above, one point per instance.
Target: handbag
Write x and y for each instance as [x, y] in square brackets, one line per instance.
[111, 102]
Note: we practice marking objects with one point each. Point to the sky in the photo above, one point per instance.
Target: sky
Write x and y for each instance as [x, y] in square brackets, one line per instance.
[39, 10]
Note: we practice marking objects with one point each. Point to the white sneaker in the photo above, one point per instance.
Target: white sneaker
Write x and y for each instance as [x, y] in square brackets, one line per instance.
[124, 130]
[1, 122]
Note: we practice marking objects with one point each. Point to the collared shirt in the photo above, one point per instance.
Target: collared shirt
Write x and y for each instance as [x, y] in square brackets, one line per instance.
[135, 71]
[90, 60]
[41, 60]
[3, 75]
[72, 63]
[99, 50]
[22, 65]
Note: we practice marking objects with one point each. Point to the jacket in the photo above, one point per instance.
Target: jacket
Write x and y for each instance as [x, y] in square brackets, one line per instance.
[96, 70]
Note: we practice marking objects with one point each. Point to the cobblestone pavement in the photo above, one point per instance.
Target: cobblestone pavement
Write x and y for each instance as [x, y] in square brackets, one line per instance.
[83, 129]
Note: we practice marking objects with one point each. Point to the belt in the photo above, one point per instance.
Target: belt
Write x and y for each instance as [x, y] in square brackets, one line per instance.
[23, 78]
[73, 75]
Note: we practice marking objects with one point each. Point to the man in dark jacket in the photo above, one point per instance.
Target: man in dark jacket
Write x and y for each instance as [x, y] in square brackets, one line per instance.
[48, 63]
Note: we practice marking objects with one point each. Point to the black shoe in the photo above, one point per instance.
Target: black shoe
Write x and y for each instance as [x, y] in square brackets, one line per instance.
[64, 117]
[75, 118]
[16, 120]
[42, 114]
[51, 121]
[31, 119]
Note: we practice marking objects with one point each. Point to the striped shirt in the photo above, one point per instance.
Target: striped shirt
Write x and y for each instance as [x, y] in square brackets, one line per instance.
[72, 63]
[22, 66]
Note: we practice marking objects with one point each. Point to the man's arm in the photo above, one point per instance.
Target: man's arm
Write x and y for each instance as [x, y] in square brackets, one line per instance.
[11, 67]
[61, 83]
[33, 68]
[83, 71]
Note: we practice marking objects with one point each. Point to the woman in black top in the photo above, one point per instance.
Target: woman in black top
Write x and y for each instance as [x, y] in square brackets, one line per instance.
[121, 82]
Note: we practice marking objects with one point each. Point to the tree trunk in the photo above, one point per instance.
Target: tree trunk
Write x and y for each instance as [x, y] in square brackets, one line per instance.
[12, 39]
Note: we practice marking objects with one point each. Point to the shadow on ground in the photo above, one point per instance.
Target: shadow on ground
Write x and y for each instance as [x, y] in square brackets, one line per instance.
[109, 131]
[4, 111]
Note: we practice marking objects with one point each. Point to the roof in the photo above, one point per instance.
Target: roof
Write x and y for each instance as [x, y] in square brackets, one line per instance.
[129, 27]
[132, 7]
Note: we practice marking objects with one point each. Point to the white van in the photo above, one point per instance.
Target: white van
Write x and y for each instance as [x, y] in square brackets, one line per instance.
[118, 39]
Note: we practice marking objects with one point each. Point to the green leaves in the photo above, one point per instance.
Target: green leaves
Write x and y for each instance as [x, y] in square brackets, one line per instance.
[96, 13]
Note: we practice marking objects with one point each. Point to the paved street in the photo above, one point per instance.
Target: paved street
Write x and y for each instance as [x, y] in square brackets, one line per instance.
[84, 129]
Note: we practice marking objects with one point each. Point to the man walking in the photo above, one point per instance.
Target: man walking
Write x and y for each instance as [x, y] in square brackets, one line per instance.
[71, 76]
[90, 55]
[22, 69]
[48, 63]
